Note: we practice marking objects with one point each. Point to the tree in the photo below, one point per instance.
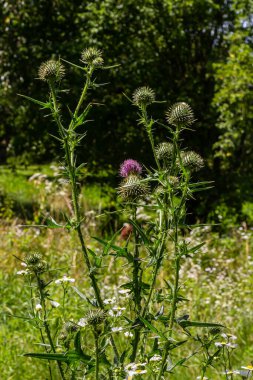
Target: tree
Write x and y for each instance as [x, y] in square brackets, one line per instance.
[234, 102]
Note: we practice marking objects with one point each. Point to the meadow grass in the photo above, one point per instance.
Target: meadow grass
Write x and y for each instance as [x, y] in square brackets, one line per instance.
[219, 280]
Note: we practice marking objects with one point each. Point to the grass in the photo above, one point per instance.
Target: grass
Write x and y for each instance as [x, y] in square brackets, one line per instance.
[30, 200]
[219, 280]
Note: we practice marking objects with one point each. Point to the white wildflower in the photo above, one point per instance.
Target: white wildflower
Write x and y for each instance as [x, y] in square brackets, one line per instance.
[135, 369]
[124, 292]
[156, 358]
[109, 301]
[64, 279]
[116, 311]
[82, 322]
[128, 334]
[117, 329]
[231, 345]
[225, 344]
[23, 272]
[232, 337]
[248, 368]
[54, 304]
[38, 307]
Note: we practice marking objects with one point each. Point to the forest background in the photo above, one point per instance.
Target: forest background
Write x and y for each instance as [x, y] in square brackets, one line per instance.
[198, 51]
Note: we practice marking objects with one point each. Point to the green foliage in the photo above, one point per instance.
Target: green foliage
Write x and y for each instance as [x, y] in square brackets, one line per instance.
[188, 50]
[233, 101]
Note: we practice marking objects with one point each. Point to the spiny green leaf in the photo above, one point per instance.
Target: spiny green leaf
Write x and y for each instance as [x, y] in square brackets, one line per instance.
[79, 293]
[57, 138]
[109, 244]
[187, 323]
[169, 285]
[81, 118]
[195, 248]
[64, 357]
[77, 343]
[43, 104]
[154, 330]
[110, 67]
[51, 223]
[141, 232]
[73, 64]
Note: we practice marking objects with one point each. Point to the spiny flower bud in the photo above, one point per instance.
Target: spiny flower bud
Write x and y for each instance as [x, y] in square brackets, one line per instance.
[130, 167]
[51, 71]
[92, 56]
[35, 263]
[192, 161]
[173, 182]
[33, 259]
[143, 96]
[93, 318]
[159, 190]
[180, 115]
[132, 188]
[164, 150]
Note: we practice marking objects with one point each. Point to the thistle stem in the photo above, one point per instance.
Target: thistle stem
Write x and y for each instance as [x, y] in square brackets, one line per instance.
[40, 329]
[148, 124]
[172, 317]
[83, 95]
[97, 355]
[137, 288]
[46, 325]
[69, 156]
[154, 276]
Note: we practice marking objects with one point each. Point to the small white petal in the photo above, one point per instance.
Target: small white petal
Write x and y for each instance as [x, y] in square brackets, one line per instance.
[155, 358]
[82, 322]
[117, 329]
[54, 304]
[23, 272]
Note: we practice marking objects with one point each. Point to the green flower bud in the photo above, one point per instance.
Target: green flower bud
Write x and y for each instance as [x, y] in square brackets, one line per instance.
[164, 150]
[143, 96]
[93, 318]
[192, 161]
[35, 263]
[51, 71]
[180, 115]
[92, 56]
[133, 188]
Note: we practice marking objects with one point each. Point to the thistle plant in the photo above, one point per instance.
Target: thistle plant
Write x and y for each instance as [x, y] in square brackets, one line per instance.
[144, 328]
[162, 238]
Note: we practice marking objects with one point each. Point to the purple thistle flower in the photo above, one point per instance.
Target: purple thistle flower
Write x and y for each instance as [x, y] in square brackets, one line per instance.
[130, 167]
